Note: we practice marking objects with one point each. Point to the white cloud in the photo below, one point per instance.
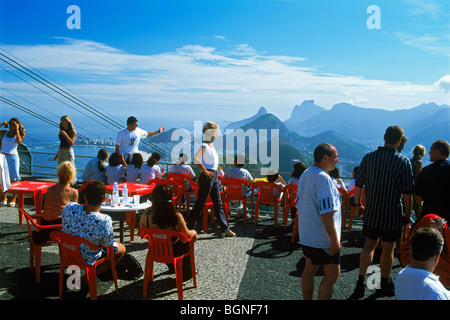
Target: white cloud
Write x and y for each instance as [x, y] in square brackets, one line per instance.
[444, 83]
[430, 8]
[433, 43]
[239, 79]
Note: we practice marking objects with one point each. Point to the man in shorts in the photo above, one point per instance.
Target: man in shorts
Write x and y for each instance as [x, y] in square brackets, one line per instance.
[387, 178]
[319, 223]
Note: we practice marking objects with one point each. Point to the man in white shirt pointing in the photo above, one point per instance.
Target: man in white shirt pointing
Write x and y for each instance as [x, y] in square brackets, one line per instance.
[127, 141]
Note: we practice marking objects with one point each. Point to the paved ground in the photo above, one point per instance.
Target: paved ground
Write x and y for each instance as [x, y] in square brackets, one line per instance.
[260, 264]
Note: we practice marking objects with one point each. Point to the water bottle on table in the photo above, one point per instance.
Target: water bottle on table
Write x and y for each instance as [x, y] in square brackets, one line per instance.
[125, 195]
[115, 195]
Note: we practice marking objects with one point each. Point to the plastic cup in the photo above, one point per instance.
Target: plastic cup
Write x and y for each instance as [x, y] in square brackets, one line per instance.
[136, 199]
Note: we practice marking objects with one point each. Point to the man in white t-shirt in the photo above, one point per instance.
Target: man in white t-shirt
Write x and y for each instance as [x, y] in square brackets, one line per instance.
[416, 281]
[319, 222]
[127, 141]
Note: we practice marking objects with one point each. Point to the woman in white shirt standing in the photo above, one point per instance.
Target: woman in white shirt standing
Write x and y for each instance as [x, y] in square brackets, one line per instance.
[9, 141]
[208, 161]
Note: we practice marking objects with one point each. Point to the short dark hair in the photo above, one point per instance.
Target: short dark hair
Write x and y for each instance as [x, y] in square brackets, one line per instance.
[321, 150]
[426, 243]
[95, 192]
[393, 134]
[443, 147]
[131, 120]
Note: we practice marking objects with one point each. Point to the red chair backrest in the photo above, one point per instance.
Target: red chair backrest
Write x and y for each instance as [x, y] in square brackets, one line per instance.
[290, 192]
[179, 178]
[171, 183]
[265, 193]
[160, 243]
[33, 225]
[234, 188]
[195, 187]
[70, 248]
[81, 191]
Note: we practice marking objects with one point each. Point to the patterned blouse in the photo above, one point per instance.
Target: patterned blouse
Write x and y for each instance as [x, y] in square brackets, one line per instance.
[93, 226]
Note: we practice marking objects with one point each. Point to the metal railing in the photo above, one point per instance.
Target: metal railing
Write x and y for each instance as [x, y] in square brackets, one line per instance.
[30, 168]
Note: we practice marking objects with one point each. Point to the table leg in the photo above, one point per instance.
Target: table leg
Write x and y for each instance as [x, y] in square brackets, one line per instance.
[38, 202]
[121, 223]
[20, 200]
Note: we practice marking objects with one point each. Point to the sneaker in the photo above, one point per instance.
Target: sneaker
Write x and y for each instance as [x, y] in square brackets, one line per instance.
[358, 293]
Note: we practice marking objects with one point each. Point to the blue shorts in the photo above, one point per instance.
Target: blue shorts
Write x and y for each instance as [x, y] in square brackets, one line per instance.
[13, 166]
[105, 250]
[320, 256]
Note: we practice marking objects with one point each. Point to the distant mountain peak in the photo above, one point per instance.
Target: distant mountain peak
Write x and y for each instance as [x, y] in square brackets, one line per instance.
[304, 111]
[261, 111]
[237, 124]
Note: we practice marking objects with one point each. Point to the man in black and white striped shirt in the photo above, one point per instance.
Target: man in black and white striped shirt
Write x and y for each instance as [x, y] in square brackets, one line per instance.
[387, 178]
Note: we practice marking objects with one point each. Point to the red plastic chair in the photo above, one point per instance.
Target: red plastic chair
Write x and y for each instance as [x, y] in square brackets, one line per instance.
[173, 185]
[131, 215]
[80, 192]
[264, 195]
[181, 179]
[355, 210]
[289, 201]
[36, 249]
[233, 192]
[160, 250]
[208, 206]
[70, 254]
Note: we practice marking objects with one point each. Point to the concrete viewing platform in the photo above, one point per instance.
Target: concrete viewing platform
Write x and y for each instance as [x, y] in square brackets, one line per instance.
[260, 264]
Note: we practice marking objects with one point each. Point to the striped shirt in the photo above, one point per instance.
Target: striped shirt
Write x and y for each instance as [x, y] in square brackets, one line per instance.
[386, 175]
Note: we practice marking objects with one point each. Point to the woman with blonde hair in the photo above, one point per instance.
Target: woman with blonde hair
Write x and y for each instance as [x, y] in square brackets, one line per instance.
[66, 137]
[207, 160]
[9, 140]
[56, 198]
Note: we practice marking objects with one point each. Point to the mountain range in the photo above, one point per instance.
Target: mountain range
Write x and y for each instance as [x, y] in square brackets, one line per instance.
[422, 124]
[353, 130]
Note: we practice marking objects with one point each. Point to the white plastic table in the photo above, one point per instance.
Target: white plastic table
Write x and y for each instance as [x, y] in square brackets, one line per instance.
[120, 211]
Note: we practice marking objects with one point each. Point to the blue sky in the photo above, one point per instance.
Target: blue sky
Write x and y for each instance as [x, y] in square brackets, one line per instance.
[221, 60]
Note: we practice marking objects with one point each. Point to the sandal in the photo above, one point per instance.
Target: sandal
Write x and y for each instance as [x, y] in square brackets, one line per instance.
[12, 204]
